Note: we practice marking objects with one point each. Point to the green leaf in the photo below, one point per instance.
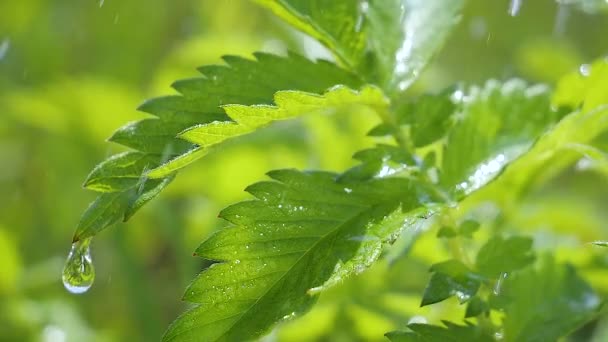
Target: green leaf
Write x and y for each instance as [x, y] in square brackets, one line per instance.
[380, 161]
[476, 307]
[433, 333]
[586, 87]
[120, 172]
[447, 232]
[428, 117]
[302, 229]
[468, 228]
[547, 302]
[405, 34]
[336, 24]
[450, 278]
[147, 190]
[241, 81]
[497, 124]
[104, 211]
[504, 255]
[289, 104]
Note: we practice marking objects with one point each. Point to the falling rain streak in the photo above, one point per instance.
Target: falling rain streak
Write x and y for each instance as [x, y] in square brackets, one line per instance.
[78, 272]
[514, 7]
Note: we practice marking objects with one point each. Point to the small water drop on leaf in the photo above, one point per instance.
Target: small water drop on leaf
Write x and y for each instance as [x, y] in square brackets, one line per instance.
[585, 70]
[78, 272]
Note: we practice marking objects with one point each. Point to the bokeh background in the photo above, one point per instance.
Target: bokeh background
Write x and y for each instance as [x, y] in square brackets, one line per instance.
[71, 72]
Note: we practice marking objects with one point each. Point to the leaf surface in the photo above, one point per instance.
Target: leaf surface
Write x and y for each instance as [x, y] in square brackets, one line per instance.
[405, 34]
[160, 152]
[301, 230]
[497, 123]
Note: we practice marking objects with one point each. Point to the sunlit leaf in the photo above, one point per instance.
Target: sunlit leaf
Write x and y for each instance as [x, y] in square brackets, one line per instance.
[336, 24]
[498, 123]
[302, 229]
[406, 34]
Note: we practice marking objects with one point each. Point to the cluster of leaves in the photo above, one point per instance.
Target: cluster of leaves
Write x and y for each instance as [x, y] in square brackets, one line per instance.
[308, 230]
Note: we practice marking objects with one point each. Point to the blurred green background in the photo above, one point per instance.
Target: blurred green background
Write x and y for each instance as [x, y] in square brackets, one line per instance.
[71, 72]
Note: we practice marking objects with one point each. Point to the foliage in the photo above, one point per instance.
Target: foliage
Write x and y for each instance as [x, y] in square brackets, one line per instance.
[495, 182]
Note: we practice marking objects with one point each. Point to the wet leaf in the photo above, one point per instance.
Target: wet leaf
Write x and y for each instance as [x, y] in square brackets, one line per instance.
[304, 231]
[246, 119]
[405, 34]
[450, 278]
[497, 123]
[241, 81]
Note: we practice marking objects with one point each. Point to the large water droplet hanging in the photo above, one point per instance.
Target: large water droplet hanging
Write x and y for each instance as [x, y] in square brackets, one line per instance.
[78, 272]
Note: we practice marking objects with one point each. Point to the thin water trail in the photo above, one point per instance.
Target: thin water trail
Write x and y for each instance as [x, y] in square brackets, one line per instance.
[514, 7]
[78, 273]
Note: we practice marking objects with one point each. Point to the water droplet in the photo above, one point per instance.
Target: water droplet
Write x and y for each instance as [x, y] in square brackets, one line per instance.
[418, 320]
[237, 261]
[78, 272]
[514, 7]
[462, 297]
[585, 70]
[101, 3]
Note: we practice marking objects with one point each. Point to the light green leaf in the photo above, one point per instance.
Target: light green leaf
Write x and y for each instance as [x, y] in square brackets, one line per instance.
[497, 123]
[246, 119]
[339, 25]
[302, 229]
[405, 34]
[586, 87]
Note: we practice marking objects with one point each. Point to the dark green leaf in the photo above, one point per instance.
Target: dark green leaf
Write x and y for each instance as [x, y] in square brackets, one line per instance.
[429, 117]
[241, 81]
[504, 255]
[450, 278]
[104, 211]
[145, 193]
[447, 232]
[120, 172]
[433, 333]
[303, 232]
[476, 307]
